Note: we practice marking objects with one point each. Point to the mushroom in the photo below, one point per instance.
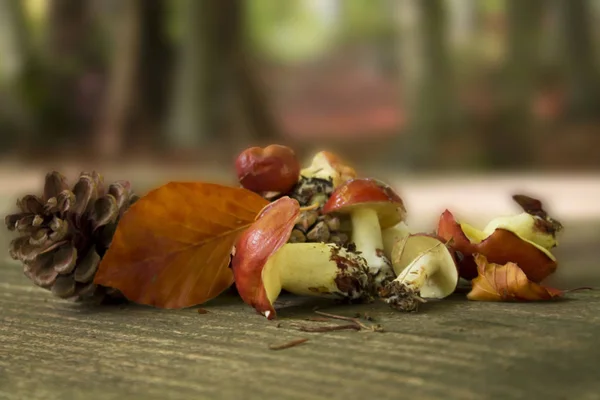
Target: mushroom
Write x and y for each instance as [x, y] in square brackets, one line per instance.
[533, 224]
[503, 240]
[264, 263]
[328, 166]
[272, 169]
[426, 269]
[372, 206]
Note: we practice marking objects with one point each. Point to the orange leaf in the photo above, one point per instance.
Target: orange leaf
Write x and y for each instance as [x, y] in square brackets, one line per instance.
[506, 283]
[171, 249]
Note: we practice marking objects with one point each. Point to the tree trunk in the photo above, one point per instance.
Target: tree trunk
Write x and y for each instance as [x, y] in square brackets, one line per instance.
[14, 45]
[119, 102]
[215, 81]
[15, 116]
[511, 146]
[155, 63]
[461, 22]
[426, 81]
[578, 53]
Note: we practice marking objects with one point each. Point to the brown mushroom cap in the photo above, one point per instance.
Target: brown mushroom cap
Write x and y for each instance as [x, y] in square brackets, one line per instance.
[369, 193]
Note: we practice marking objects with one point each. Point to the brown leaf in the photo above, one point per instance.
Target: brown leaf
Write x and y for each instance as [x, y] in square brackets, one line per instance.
[506, 283]
[171, 248]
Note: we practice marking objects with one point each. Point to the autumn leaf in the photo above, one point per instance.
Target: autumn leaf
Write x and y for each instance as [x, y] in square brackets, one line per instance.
[506, 283]
[172, 248]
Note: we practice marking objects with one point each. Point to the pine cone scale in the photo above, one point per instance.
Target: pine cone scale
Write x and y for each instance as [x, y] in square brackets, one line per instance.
[64, 286]
[41, 271]
[64, 259]
[86, 192]
[11, 221]
[55, 183]
[31, 204]
[105, 211]
[87, 267]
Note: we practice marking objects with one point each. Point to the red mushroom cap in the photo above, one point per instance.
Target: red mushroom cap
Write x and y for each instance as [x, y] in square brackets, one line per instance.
[256, 245]
[274, 168]
[371, 193]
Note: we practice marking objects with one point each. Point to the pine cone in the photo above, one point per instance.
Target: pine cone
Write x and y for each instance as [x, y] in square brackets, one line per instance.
[65, 233]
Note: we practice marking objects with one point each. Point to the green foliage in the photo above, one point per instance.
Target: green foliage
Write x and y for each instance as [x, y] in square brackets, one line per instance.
[290, 30]
[367, 18]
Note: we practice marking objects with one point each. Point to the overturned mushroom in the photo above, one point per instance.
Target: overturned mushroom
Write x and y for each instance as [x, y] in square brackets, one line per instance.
[534, 224]
[372, 206]
[326, 165]
[426, 269]
[264, 264]
[317, 181]
[501, 243]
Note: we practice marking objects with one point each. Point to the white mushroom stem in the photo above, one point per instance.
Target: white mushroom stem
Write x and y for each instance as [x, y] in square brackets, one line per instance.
[416, 274]
[316, 269]
[366, 235]
[393, 235]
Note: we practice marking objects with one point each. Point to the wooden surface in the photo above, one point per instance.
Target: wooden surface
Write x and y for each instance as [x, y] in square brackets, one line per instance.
[452, 349]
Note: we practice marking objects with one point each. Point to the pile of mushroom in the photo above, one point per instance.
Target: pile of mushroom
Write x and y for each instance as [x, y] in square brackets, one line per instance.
[379, 257]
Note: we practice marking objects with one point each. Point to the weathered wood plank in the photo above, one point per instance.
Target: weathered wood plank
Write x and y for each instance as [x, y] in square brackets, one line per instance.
[454, 349]
[51, 349]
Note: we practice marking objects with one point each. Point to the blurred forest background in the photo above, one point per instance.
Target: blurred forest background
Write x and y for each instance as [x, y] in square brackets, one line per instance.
[422, 84]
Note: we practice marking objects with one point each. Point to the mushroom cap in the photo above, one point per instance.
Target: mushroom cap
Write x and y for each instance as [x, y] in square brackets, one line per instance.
[272, 169]
[367, 193]
[438, 285]
[256, 245]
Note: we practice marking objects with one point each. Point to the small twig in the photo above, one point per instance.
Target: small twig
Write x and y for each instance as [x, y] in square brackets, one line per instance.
[202, 311]
[317, 319]
[328, 328]
[343, 318]
[287, 345]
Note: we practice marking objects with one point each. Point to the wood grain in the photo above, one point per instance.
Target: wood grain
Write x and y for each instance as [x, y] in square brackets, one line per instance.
[52, 349]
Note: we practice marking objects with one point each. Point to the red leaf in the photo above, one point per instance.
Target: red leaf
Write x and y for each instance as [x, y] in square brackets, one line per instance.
[172, 248]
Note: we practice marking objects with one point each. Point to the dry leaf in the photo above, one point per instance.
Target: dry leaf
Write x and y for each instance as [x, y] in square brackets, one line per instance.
[171, 249]
[506, 283]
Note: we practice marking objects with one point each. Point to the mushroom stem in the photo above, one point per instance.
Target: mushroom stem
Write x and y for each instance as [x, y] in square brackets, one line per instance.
[393, 235]
[316, 269]
[404, 292]
[417, 272]
[366, 235]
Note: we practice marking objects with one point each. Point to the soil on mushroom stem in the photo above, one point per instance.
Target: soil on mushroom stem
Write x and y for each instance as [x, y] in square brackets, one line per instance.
[348, 281]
